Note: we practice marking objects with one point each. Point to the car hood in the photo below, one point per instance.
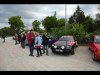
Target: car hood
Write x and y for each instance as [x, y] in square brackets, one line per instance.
[64, 43]
[97, 46]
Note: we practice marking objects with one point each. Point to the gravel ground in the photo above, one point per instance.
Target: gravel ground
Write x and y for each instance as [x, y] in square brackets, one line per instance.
[14, 58]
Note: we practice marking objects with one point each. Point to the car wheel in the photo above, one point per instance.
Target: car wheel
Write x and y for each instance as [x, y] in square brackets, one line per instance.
[73, 51]
[93, 56]
[53, 51]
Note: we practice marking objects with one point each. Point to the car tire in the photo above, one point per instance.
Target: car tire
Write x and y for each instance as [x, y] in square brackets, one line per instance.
[73, 51]
[93, 56]
[53, 51]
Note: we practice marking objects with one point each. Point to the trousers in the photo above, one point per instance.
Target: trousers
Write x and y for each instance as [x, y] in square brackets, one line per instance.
[31, 48]
[46, 49]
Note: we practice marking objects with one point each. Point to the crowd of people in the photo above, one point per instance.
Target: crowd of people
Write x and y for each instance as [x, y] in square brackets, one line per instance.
[33, 40]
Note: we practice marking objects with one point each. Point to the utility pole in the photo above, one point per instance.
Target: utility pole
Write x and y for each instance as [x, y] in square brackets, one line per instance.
[65, 17]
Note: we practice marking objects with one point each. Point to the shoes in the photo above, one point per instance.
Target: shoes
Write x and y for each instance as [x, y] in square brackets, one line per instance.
[41, 55]
[37, 56]
[47, 54]
[31, 55]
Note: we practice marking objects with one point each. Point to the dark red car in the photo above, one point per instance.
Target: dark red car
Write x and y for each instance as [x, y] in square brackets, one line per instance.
[65, 44]
[94, 46]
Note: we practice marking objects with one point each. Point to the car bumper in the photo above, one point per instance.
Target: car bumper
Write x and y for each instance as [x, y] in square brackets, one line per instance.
[61, 50]
[97, 56]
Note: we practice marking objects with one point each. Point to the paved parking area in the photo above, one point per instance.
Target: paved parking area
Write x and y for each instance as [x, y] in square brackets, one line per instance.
[14, 58]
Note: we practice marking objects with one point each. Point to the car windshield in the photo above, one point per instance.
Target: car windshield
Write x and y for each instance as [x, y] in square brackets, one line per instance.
[97, 39]
[69, 38]
[52, 36]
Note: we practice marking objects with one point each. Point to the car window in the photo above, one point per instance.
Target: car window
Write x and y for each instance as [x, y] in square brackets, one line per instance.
[52, 36]
[66, 39]
[97, 39]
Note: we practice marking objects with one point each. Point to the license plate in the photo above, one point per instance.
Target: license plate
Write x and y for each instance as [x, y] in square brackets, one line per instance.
[58, 50]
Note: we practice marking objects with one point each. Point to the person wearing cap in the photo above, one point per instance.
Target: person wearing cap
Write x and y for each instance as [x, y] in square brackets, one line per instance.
[31, 40]
[23, 37]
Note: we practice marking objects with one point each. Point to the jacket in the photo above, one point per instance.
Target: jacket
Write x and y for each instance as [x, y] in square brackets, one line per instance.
[29, 38]
[3, 36]
[23, 38]
[45, 40]
[39, 41]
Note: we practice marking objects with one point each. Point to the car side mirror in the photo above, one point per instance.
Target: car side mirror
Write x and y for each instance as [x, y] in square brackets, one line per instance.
[91, 41]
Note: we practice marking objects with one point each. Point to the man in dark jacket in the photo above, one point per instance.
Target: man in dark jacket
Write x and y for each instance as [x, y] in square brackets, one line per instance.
[19, 38]
[3, 36]
[45, 43]
[23, 37]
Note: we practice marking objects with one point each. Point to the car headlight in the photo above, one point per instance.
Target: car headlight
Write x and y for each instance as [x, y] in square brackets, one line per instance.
[55, 46]
[62, 47]
[98, 51]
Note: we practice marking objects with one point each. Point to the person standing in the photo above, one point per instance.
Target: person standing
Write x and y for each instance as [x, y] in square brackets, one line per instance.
[38, 44]
[16, 38]
[23, 37]
[3, 36]
[45, 43]
[31, 40]
[19, 37]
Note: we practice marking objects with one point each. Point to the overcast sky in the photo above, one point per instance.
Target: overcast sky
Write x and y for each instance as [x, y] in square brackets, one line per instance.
[31, 12]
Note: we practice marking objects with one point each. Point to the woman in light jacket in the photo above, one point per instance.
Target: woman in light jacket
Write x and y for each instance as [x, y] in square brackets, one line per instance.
[38, 44]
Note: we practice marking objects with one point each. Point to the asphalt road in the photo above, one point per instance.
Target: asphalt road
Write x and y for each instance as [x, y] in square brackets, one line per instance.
[14, 58]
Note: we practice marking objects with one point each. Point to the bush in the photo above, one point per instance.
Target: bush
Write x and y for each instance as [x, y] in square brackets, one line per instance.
[77, 30]
[59, 31]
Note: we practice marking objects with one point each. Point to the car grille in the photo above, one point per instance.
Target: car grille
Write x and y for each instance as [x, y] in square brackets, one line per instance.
[58, 47]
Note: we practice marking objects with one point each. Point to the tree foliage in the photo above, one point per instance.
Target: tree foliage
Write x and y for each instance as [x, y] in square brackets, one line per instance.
[35, 25]
[77, 17]
[16, 24]
[6, 31]
[89, 24]
[49, 22]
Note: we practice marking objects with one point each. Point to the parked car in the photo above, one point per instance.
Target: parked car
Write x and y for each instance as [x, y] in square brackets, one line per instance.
[94, 46]
[52, 39]
[65, 44]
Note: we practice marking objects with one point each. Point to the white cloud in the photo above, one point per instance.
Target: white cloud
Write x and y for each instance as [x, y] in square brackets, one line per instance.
[31, 12]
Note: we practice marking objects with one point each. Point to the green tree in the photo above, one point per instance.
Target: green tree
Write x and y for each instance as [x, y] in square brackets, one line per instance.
[89, 24]
[76, 30]
[61, 22]
[35, 25]
[77, 17]
[55, 14]
[49, 22]
[16, 24]
[6, 31]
